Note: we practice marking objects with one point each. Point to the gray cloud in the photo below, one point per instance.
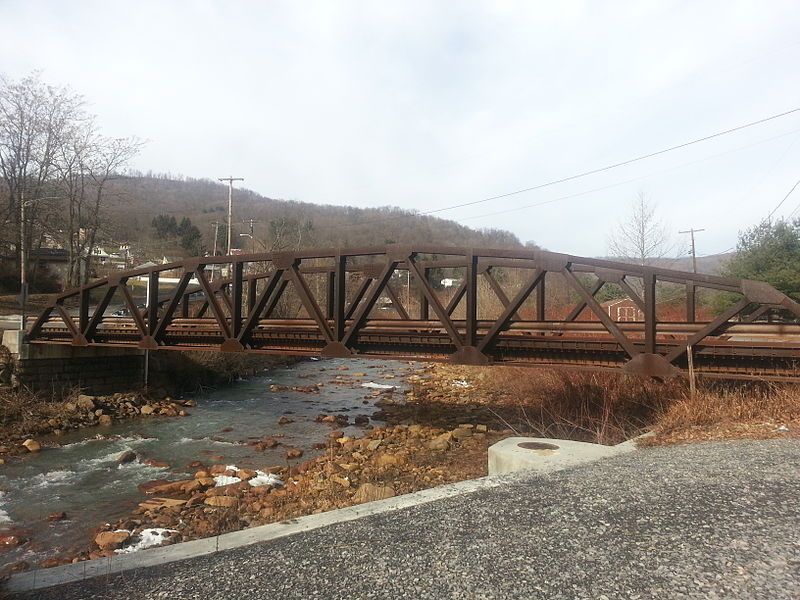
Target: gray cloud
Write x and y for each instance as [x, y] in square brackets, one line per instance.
[426, 104]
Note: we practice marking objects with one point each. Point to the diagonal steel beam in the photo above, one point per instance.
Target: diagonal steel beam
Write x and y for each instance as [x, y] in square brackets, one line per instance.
[710, 329]
[36, 328]
[129, 302]
[362, 289]
[498, 291]
[258, 306]
[99, 310]
[575, 312]
[364, 307]
[276, 297]
[631, 293]
[65, 316]
[398, 306]
[433, 301]
[595, 307]
[511, 308]
[213, 303]
[309, 303]
[460, 291]
[166, 318]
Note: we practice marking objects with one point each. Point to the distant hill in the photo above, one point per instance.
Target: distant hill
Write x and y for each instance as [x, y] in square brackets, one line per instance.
[137, 199]
[709, 265]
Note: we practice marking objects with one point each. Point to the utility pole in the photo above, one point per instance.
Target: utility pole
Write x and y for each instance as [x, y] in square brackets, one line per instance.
[215, 224]
[691, 232]
[251, 223]
[230, 181]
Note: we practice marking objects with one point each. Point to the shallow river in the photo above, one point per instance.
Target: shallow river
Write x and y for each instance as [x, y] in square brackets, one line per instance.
[83, 479]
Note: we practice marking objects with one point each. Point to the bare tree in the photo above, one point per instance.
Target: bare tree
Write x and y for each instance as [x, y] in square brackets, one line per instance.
[34, 119]
[55, 166]
[642, 237]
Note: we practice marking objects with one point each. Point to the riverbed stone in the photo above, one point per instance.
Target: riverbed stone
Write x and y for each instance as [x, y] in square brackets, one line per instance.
[147, 409]
[32, 445]
[111, 540]
[126, 456]
[461, 433]
[105, 420]
[11, 541]
[222, 501]
[369, 492]
[438, 443]
[85, 402]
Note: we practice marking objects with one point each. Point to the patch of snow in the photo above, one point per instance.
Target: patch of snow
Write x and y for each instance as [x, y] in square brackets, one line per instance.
[220, 480]
[147, 539]
[461, 383]
[263, 478]
[377, 386]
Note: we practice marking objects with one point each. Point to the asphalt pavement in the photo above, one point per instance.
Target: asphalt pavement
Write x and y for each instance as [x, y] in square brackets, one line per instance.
[711, 520]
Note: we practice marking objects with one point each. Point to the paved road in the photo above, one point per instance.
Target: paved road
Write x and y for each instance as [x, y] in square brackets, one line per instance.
[700, 521]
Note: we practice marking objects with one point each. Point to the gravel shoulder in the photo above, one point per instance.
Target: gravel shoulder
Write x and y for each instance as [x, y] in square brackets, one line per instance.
[712, 520]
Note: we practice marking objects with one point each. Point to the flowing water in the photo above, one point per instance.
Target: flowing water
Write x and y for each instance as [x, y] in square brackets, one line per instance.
[82, 477]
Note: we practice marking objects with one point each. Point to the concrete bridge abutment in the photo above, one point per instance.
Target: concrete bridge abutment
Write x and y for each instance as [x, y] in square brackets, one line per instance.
[58, 369]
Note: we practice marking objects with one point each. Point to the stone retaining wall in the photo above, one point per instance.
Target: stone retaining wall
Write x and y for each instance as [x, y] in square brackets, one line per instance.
[61, 368]
[92, 374]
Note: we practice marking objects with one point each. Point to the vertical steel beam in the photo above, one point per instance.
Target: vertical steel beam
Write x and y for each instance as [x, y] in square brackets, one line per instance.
[83, 315]
[649, 280]
[330, 293]
[472, 299]
[424, 312]
[540, 295]
[185, 306]
[236, 299]
[252, 291]
[691, 302]
[339, 297]
[152, 305]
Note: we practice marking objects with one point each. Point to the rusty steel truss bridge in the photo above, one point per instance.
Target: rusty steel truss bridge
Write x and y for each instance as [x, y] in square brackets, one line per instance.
[504, 307]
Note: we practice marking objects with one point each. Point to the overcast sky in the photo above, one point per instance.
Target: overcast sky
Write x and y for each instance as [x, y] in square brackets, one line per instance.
[424, 105]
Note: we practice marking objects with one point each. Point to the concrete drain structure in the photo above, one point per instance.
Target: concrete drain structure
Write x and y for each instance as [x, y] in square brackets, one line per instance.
[544, 455]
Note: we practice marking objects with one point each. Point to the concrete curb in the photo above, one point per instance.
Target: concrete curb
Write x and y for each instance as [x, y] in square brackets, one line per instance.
[543, 455]
[43, 578]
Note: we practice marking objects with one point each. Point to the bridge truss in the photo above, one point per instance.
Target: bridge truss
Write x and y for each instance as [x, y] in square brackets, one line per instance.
[507, 308]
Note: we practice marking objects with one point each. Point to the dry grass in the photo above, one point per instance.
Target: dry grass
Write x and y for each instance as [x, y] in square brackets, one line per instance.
[21, 406]
[609, 408]
[598, 407]
[723, 411]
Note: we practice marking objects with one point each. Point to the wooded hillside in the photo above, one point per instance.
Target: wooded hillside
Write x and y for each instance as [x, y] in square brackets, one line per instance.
[135, 200]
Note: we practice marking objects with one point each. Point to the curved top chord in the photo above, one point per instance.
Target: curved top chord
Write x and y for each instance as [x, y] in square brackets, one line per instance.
[516, 306]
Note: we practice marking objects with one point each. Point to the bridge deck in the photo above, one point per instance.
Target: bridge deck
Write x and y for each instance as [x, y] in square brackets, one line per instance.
[341, 301]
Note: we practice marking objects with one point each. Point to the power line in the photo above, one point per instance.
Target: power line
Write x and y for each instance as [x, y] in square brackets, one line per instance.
[604, 168]
[626, 181]
[794, 187]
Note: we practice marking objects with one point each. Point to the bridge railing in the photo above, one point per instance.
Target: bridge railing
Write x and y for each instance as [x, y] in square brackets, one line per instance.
[503, 306]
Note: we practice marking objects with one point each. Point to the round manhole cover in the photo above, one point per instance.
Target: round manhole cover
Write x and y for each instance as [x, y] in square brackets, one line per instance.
[537, 446]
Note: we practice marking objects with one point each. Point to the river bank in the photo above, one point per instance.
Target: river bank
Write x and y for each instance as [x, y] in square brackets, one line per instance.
[297, 440]
[327, 434]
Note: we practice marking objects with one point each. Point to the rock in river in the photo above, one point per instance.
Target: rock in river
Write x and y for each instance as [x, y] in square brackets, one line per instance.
[32, 445]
